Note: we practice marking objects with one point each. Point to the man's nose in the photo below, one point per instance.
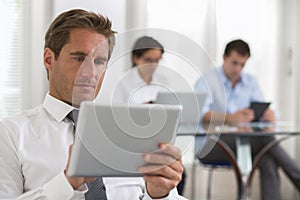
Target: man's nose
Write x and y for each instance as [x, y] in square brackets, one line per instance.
[238, 67]
[88, 68]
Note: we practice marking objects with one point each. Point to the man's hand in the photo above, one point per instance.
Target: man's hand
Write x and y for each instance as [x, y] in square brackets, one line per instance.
[268, 116]
[164, 170]
[244, 115]
[75, 182]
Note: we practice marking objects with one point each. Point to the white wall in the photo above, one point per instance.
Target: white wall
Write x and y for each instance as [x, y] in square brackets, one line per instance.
[285, 56]
[296, 62]
[36, 17]
[136, 14]
[113, 9]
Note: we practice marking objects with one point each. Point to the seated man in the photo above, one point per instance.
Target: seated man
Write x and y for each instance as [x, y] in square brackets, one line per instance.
[240, 90]
[34, 145]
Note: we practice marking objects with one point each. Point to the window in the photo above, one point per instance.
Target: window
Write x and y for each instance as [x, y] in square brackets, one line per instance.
[11, 57]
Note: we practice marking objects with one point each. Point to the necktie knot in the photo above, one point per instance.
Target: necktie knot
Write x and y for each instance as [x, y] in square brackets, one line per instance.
[73, 115]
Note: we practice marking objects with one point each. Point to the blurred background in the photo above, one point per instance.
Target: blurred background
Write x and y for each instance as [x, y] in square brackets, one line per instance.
[271, 27]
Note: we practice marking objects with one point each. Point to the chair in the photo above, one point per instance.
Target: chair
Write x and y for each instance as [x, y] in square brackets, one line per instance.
[208, 153]
[211, 167]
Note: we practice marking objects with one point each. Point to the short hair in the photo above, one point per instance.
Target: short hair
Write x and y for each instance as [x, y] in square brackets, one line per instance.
[142, 45]
[240, 46]
[58, 33]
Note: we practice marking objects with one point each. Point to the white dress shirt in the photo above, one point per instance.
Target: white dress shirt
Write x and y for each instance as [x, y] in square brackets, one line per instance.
[133, 89]
[33, 155]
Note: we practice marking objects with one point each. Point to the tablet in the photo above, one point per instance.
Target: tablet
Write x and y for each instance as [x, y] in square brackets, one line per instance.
[110, 140]
[259, 109]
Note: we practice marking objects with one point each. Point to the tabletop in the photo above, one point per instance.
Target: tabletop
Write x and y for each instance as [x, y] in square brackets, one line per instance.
[243, 129]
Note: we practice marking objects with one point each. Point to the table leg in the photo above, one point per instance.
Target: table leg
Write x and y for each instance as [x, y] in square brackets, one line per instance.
[244, 158]
[242, 193]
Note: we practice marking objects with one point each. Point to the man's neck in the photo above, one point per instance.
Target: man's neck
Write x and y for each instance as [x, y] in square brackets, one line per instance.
[235, 82]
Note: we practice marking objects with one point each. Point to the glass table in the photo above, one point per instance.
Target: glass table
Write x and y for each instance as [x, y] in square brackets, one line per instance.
[231, 138]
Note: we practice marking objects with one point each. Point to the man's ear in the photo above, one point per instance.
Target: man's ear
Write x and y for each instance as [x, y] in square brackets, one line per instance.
[49, 58]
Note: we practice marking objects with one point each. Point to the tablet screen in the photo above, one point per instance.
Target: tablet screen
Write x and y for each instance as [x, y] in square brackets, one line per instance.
[259, 109]
[110, 140]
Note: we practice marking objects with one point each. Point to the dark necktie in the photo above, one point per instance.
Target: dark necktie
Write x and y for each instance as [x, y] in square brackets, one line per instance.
[96, 187]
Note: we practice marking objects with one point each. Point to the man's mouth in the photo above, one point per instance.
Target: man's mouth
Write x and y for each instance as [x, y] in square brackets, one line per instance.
[85, 85]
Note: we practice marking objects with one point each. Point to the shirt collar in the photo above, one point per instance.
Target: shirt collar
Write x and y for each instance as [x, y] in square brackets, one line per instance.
[242, 79]
[226, 81]
[57, 109]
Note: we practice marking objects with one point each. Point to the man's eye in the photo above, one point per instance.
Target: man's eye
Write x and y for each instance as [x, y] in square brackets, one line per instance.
[98, 61]
[79, 59]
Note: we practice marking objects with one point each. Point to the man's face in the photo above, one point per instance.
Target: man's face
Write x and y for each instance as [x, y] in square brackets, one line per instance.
[233, 65]
[78, 72]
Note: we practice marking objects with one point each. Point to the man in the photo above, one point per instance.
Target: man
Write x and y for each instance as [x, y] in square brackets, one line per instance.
[240, 89]
[34, 145]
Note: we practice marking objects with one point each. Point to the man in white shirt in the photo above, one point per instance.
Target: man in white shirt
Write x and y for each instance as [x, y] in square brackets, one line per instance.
[34, 145]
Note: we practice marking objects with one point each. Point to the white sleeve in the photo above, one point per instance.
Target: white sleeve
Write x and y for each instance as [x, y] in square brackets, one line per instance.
[56, 188]
[11, 178]
[173, 195]
[201, 87]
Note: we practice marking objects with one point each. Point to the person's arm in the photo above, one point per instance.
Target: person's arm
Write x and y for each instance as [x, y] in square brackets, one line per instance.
[163, 172]
[268, 116]
[11, 176]
[56, 188]
[244, 115]
[212, 116]
[201, 88]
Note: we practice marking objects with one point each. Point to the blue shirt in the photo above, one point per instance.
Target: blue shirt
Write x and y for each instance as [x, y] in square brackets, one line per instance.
[222, 97]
